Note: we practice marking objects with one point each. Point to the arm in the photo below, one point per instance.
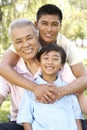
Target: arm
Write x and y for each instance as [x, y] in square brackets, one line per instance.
[79, 125]
[27, 126]
[79, 84]
[6, 70]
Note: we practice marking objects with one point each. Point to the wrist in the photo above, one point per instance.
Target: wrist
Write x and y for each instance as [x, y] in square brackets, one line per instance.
[34, 87]
[62, 91]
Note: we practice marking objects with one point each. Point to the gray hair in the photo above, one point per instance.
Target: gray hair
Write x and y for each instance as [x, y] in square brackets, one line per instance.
[21, 22]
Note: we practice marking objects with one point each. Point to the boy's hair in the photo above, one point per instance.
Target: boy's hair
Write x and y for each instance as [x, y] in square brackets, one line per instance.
[21, 22]
[51, 10]
[53, 47]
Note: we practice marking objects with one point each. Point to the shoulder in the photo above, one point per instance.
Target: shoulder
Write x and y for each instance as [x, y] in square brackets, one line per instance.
[59, 81]
[64, 41]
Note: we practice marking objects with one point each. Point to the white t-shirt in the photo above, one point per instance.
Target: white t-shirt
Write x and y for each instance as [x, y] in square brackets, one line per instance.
[60, 115]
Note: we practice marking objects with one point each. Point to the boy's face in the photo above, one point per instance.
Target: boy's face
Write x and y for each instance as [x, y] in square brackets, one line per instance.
[25, 42]
[50, 63]
[48, 26]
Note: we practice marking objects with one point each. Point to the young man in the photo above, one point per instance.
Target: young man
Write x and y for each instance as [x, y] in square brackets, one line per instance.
[49, 20]
[63, 114]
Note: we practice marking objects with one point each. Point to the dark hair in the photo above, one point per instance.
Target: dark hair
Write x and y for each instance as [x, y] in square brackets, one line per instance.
[49, 9]
[52, 47]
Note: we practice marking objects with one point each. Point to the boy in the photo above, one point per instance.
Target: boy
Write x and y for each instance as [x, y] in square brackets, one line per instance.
[63, 114]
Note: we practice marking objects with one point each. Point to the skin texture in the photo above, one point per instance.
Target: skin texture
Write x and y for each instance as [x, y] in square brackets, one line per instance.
[48, 33]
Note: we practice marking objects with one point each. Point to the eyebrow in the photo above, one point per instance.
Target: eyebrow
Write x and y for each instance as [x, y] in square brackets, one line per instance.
[29, 35]
[46, 54]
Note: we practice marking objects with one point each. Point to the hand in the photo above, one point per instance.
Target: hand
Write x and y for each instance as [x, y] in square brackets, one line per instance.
[61, 91]
[45, 93]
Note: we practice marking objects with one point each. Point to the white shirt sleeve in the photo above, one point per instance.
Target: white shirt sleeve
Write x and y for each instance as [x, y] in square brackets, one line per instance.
[76, 107]
[72, 52]
[25, 109]
[4, 87]
[12, 48]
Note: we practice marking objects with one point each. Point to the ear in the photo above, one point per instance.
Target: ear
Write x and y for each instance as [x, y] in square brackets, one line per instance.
[60, 26]
[61, 67]
[36, 23]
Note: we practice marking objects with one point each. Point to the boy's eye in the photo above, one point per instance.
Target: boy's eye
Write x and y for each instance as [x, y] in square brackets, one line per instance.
[56, 59]
[45, 57]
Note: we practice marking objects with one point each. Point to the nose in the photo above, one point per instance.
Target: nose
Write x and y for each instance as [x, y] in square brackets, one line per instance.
[50, 61]
[49, 28]
[26, 43]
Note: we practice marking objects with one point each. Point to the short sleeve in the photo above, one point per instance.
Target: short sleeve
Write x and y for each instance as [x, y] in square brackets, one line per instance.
[73, 54]
[25, 109]
[12, 48]
[72, 51]
[4, 87]
[76, 107]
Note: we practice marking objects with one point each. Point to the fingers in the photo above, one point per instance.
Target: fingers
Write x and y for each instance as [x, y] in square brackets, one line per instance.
[47, 98]
[46, 94]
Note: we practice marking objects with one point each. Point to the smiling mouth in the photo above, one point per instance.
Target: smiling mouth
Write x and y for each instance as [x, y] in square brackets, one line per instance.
[28, 51]
[49, 67]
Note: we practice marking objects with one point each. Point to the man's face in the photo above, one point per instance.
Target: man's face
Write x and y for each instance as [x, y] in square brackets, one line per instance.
[48, 26]
[25, 42]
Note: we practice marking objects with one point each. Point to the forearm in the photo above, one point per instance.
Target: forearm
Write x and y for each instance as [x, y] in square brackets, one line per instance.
[79, 125]
[8, 61]
[80, 84]
[77, 86]
[13, 77]
[27, 126]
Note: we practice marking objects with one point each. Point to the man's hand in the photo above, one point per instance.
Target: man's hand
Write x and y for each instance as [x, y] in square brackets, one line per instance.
[45, 93]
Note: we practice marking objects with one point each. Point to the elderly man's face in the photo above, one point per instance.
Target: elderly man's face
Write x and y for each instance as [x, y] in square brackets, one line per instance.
[25, 41]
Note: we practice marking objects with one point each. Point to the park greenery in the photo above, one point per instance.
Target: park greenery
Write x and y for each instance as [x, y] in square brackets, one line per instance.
[74, 24]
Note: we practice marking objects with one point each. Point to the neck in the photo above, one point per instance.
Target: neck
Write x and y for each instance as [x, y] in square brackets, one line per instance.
[43, 43]
[49, 78]
[30, 61]
[32, 65]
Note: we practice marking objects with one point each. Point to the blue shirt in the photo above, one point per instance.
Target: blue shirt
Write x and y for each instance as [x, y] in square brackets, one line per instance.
[60, 115]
